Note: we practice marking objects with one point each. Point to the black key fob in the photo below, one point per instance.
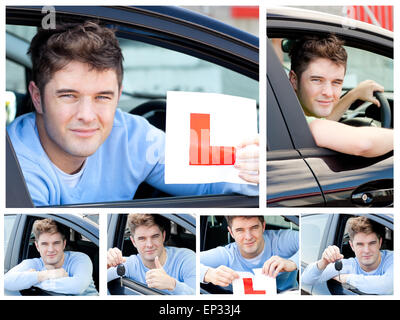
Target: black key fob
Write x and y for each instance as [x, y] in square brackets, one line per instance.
[339, 265]
[121, 270]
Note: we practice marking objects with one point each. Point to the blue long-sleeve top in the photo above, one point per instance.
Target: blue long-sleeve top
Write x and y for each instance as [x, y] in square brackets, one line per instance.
[79, 281]
[180, 265]
[132, 153]
[378, 281]
[282, 243]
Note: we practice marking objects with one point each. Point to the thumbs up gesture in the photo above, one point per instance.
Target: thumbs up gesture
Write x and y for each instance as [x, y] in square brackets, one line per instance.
[158, 278]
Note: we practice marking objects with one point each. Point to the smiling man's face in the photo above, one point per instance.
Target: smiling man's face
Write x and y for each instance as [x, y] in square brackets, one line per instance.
[248, 234]
[149, 242]
[76, 112]
[320, 87]
[367, 250]
[51, 248]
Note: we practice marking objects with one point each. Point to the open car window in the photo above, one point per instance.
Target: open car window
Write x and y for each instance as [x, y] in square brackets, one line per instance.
[81, 236]
[155, 61]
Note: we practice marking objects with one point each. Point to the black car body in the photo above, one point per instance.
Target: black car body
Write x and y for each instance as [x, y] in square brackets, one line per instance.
[171, 29]
[82, 234]
[299, 173]
[180, 232]
[318, 231]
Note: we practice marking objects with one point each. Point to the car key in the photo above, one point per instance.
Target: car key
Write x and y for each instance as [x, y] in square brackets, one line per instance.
[339, 266]
[121, 272]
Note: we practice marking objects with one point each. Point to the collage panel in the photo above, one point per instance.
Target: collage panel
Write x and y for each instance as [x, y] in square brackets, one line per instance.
[249, 255]
[51, 255]
[74, 117]
[330, 97]
[347, 254]
[151, 254]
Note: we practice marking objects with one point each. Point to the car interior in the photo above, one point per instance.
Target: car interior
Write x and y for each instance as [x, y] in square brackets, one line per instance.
[75, 242]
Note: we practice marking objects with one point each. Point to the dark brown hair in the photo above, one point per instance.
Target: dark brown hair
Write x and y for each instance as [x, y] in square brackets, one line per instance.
[364, 225]
[46, 226]
[309, 48]
[136, 219]
[52, 49]
[229, 219]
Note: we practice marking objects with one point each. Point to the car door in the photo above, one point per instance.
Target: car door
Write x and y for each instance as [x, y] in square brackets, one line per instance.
[230, 51]
[318, 231]
[20, 242]
[182, 234]
[298, 172]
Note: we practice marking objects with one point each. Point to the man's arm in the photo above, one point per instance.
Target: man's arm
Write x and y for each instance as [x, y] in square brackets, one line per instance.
[79, 279]
[25, 275]
[285, 253]
[323, 269]
[358, 141]
[364, 91]
[215, 267]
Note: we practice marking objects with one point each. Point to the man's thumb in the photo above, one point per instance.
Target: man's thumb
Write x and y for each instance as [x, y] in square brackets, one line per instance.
[157, 263]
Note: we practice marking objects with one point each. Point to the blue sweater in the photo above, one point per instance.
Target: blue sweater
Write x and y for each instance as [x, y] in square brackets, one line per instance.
[132, 153]
[379, 281]
[282, 243]
[180, 265]
[79, 281]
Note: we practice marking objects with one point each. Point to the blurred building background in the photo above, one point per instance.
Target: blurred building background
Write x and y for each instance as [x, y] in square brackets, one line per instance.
[381, 16]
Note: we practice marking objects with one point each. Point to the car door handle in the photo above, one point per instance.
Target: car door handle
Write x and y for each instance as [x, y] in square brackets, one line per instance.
[369, 197]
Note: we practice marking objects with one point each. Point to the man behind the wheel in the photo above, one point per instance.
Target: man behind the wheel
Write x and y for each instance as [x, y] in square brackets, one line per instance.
[318, 66]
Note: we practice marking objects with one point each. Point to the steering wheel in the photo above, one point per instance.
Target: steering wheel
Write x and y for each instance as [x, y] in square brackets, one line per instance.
[154, 111]
[386, 113]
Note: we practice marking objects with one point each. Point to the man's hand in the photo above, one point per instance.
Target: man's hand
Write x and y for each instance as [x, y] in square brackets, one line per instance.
[247, 160]
[330, 255]
[114, 257]
[276, 264]
[342, 279]
[221, 276]
[52, 274]
[157, 278]
[365, 91]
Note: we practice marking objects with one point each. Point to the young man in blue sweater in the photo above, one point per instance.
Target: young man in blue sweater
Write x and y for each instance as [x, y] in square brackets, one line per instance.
[77, 147]
[275, 251]
[56, 270]
[371, 271]
[165, 268]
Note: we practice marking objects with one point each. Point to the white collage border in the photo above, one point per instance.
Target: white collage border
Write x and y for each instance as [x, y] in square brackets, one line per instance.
[262, 210]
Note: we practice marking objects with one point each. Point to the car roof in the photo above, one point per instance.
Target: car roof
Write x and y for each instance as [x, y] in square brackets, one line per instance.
[325, 18]
[204, 21]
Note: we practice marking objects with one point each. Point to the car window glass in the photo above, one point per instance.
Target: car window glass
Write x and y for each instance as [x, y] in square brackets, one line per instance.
[279, 222]
[312, 230]
[151, 71]
[9, 221]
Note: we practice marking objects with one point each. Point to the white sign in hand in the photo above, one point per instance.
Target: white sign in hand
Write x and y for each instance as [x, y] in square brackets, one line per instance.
[256, 283]
[202, 132]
